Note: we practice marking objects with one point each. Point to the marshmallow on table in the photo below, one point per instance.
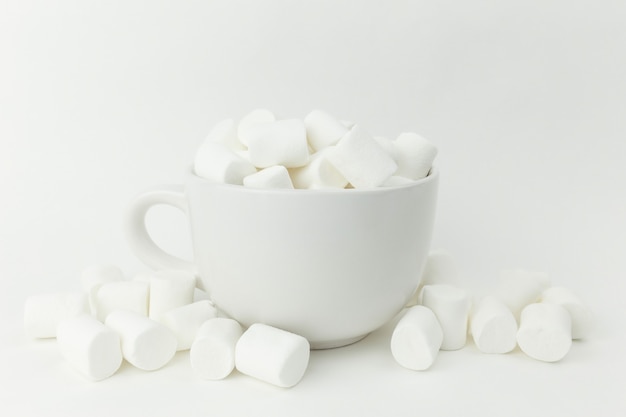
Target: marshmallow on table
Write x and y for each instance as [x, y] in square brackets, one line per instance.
[170, 289]
[253, 118]
[545, 331]
[416, 339]
[318, 173]
[451, 306]
[92, 277]
[282, 142]
[440, 268]
[185, 321]
[89, 346]
[493, 326]
[361, 160]
[212, 353]
[517, 288]
[276, 176]
[414, 156]
[579, 312]
[214, 161]
[323, 130]
[122, 295]
[225, 132]
[272, 355]
[146, 344]
[43, 312]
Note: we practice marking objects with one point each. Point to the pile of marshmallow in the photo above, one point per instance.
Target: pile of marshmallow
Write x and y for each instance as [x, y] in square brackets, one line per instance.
[524, 310]
[319, 152]
[147, 319]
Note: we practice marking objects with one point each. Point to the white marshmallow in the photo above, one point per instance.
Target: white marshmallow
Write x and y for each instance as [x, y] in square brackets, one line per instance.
[282, 142]
[451, 306]
[440, 268]
[493, 326]
[212, 353]
[323, 130]
[580, 314]
[318, 173]
[170, 289]
[272, 355]
[89, 346]
[92, 277]
[253, 118]
[185, 321]
[276, 176]
[517, 288]
[415, 156]
[146, 344]
[416, 339]
[122, 295]
[545, 331]
[216, 162]
[43, 312]
[361, 160]
[225, 132]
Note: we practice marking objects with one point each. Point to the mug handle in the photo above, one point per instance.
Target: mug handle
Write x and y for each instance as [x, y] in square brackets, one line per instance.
[140, 242]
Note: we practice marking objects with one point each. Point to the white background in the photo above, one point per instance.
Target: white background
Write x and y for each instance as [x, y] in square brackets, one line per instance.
[526, 101]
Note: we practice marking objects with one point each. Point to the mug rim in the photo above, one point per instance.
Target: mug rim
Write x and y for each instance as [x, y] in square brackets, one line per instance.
[432, 175]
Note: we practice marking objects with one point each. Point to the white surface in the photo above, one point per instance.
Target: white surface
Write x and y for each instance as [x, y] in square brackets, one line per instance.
[525, 101]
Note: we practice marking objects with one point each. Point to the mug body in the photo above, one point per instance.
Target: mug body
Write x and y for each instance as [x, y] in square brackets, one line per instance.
[330, 265]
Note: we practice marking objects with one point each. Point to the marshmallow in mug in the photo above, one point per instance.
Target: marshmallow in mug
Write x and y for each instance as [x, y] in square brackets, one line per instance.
[319, 152]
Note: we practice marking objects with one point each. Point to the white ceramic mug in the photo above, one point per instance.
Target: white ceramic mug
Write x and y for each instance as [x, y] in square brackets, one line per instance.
[330, 265]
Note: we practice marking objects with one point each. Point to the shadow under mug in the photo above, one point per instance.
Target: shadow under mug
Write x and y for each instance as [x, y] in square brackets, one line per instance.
[330, 265]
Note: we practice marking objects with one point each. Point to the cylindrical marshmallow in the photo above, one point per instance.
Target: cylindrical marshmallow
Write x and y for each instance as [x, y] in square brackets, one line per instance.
[272, 355]
[122, 295]
[493, 326]
[212, 353]
[92, 277]
[146, 344]
[214, 161]
[451, 306]
[323, 130]
[318, 173]
[361, 160]
[276, 176]
[43, 312]
[415, 156]
[277, 143]
[545, 331]
[416, 339]
[580, 314]
[89, 346]
[225, 132]
[253, 118]
[170, 289]
[517, 288]
[185, 321]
